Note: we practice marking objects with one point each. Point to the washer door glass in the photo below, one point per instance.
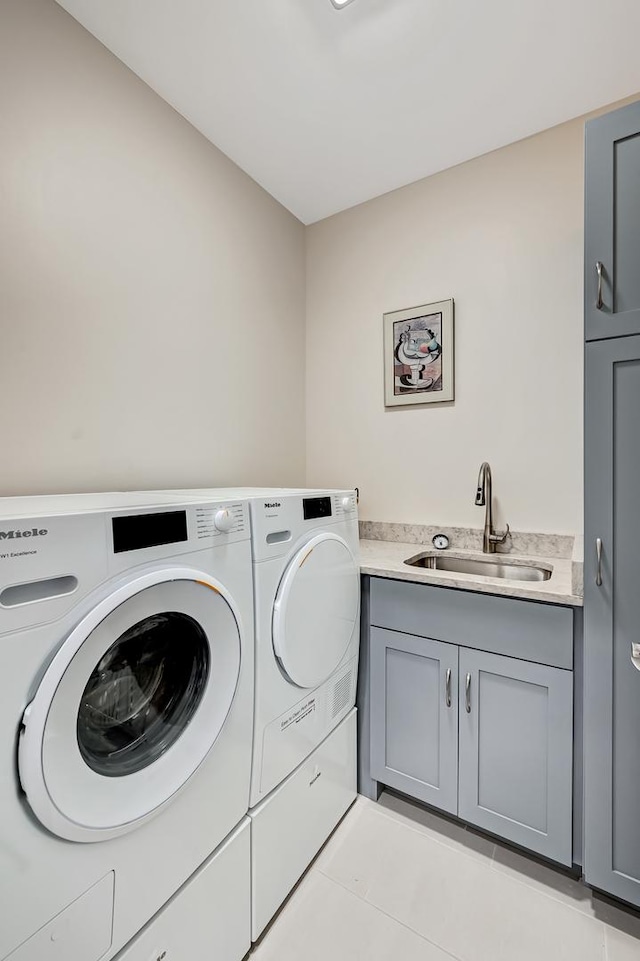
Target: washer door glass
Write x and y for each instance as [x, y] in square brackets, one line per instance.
[143, 693]
[130, 705]
[316, 610]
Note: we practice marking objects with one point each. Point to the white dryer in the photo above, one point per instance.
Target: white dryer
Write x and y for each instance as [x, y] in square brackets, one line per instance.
[307, 632]
[126, 703]
[307, 609]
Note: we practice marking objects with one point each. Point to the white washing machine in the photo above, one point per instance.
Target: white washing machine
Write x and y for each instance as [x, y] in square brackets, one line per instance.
[126, 703]
[307, 631]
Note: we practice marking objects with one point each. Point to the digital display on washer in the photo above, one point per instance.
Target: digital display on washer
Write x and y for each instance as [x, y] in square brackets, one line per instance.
[136, 531]
[316, 507]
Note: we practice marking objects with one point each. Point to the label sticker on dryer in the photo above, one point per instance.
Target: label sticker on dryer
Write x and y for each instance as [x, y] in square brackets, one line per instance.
[301, 712]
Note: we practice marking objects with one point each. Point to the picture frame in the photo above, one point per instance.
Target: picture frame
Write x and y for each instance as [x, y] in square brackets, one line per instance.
[419, 355]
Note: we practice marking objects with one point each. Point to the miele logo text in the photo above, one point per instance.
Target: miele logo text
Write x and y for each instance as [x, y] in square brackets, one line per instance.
[273, 504]
[12, 535]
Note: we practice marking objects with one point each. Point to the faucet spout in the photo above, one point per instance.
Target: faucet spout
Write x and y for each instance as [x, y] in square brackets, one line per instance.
[483, 476]
[484, 498]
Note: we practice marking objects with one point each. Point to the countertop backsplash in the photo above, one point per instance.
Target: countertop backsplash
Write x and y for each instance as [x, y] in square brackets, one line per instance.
[470, 539]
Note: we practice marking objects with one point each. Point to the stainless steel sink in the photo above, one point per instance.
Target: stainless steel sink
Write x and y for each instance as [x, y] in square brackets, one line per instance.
[509, 570]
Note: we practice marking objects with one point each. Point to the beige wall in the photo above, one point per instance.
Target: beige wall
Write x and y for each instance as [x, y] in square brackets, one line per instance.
[503, 236]
[151, 294]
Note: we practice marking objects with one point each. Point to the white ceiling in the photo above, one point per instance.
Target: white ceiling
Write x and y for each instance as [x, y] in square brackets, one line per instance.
[327, 108]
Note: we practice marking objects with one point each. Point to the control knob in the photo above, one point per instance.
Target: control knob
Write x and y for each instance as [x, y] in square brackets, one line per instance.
[224, 520]
[347, 504]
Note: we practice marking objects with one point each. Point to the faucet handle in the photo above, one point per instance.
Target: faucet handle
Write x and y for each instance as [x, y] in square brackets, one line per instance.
[496, 538]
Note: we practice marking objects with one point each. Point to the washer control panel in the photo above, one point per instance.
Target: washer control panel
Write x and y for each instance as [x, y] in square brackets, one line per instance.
[135, 532]
[345, 504]
[171, 531]
[216, 519]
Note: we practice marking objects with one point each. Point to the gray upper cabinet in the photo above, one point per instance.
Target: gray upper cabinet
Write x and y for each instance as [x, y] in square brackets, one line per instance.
[414, 716]
[612, 224]
[612, 616]
[516, 736]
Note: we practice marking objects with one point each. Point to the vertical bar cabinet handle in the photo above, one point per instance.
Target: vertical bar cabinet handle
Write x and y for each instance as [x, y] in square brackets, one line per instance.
[599, 269]
[447, 688]
[467, 693]
[599, 561]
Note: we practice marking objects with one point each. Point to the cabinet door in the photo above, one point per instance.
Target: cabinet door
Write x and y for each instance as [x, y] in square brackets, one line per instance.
[516, 728]
[612, 224]
[414, 716]
[612, 618]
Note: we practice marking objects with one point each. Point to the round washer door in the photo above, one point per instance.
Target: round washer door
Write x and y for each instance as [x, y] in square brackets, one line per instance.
[316, 609]
[130, 705]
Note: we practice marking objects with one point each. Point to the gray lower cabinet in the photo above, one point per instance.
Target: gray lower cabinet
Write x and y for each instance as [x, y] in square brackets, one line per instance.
[516, 737]
[612, 617]
[414, 716]
[479, 735]
[468, 703]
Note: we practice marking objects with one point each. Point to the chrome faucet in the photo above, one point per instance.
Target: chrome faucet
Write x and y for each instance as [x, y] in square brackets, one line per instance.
[484, 496]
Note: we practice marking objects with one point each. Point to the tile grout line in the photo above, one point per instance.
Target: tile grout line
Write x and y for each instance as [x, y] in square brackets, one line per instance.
[480, 857]
[385, 914]
[391, 917]
[458, 847]
[477, 858]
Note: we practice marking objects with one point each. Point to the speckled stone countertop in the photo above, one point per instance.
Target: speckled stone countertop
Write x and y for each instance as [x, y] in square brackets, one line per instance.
[385, 556]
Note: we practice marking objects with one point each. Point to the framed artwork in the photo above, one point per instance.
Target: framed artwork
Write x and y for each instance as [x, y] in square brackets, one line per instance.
[418, 355]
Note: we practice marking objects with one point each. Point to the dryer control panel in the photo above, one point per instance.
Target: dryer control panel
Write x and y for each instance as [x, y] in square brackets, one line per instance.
[313, 507]
[279, 520]
[329, 505]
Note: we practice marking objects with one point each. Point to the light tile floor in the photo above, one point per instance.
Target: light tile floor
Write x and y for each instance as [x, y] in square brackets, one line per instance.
[397, 882]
